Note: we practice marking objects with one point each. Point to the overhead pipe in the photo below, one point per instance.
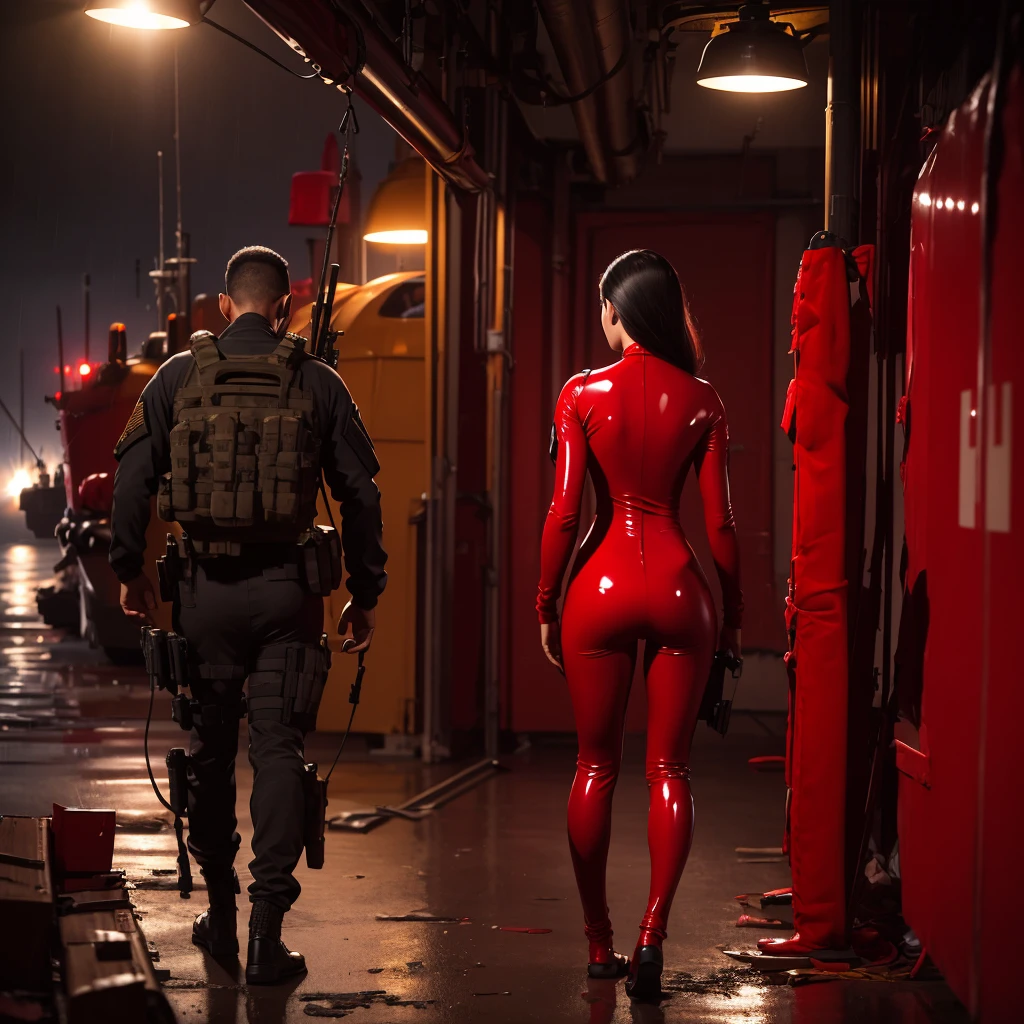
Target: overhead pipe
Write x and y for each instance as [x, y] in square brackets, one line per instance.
[613, 36]
[590, 39]
[578, 62]
[348, 47]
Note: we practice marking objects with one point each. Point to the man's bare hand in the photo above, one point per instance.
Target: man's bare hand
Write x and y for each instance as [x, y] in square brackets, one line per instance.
[362, 622]
[137, 598]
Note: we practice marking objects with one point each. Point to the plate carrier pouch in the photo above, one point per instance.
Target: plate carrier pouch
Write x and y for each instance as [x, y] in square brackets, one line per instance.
[244, 452]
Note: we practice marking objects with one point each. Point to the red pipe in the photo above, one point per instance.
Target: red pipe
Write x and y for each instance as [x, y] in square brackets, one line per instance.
[345, 43]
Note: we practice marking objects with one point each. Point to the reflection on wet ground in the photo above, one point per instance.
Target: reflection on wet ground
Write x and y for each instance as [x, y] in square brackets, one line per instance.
[71, 732]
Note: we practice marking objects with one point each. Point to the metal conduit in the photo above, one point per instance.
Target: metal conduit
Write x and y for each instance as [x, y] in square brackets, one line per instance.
[343, 40]
[589, 38]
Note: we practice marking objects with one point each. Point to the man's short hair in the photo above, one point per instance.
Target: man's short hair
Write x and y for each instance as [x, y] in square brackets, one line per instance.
[256, 274]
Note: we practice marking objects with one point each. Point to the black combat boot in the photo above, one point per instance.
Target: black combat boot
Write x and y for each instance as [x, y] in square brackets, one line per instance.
[270, 961]
[215, 930]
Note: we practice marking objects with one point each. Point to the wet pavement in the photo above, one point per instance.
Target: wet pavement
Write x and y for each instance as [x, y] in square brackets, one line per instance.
[71, 728]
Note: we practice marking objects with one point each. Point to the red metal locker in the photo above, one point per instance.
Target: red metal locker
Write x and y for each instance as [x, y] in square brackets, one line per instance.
[960, 806]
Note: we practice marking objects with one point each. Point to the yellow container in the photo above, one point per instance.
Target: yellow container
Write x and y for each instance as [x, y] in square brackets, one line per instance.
[381, 360]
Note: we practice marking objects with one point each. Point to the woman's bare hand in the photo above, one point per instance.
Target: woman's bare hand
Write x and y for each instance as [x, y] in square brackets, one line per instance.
[551, 641]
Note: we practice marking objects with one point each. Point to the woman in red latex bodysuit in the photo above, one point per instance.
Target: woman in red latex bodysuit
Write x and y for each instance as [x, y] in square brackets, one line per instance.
[637, 427]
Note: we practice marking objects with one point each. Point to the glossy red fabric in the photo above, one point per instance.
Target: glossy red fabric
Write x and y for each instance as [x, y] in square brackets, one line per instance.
[637, 427]
[815, 418]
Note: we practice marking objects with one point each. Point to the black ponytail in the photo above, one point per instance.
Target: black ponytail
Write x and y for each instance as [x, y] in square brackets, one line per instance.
[645, 291]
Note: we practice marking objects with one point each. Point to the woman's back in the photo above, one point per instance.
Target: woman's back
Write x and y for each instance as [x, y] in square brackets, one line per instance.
[644, 419]
[637, 426]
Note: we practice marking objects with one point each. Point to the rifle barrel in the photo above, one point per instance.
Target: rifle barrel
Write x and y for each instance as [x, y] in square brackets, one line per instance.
[316, 322]
[328, 314]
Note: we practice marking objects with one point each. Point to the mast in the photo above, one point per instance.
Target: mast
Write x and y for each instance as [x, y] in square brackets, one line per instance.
[60, 349]
[85, 297]
[21, 411]
[159, 275]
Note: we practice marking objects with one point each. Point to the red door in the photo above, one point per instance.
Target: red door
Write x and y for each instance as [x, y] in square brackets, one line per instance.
[726, 263]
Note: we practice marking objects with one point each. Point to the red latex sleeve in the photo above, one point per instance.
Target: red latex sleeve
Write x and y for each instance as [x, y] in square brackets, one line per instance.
[711, 461]
[563, 518]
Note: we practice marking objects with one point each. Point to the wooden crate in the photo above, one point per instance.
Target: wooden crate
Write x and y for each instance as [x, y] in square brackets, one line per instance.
[26, 902]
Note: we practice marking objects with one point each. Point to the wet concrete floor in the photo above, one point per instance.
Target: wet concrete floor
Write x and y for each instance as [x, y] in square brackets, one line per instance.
[71, 730]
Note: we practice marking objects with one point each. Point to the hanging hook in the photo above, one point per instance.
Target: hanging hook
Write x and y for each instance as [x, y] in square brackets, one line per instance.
[349, 122]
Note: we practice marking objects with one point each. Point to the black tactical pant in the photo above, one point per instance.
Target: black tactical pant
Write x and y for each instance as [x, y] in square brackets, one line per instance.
[240, 623]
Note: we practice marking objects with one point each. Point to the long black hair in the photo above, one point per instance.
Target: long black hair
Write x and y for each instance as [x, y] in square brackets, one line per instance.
[644, 289]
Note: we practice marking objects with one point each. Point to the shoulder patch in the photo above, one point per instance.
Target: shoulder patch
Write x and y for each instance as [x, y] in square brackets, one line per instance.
[134, 430]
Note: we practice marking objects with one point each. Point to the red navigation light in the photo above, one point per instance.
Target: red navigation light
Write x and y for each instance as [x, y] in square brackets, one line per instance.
[85, 369]
[56, 396]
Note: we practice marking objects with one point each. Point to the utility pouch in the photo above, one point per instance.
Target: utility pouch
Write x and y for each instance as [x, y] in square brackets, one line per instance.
[181, 711]
[157, 658]
[334, 547]
[287, 683]
[315, 790]
[177, 658]
[177, 781]
[166, 657]
[170, 570]
[320, 556]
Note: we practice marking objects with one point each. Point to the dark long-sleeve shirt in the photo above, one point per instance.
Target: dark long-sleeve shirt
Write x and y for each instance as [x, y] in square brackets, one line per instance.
[346, 458]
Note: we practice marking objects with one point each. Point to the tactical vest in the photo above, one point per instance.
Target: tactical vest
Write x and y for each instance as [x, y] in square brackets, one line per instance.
[245, 456]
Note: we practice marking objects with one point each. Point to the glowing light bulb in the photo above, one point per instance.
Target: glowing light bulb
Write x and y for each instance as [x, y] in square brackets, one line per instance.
[135, 14]
[410, 237]
[751, 83]
[18, 482]
[85, 369]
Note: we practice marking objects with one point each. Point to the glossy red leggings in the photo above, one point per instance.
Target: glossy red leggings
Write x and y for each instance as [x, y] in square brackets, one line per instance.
[617, 598]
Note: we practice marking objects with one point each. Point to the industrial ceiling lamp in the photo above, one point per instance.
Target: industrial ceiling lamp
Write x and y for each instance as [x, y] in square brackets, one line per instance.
[753, 54]
[146, 14]
[398, 210]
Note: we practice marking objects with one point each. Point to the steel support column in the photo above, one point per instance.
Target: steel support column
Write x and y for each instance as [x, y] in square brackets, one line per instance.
[842, 122]
[442, 300]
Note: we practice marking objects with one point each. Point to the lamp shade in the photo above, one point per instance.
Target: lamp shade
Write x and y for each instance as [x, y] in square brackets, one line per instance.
[753, 54]
[146, 14]
[398, 210]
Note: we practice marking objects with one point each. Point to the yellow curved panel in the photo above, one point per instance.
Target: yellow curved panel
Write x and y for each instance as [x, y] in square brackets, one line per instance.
[389, 389]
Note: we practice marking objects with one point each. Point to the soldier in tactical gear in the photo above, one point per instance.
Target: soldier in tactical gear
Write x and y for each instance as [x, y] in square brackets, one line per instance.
[234, 435]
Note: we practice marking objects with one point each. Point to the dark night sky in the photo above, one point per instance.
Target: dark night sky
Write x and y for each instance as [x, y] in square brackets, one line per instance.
[85, 107]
